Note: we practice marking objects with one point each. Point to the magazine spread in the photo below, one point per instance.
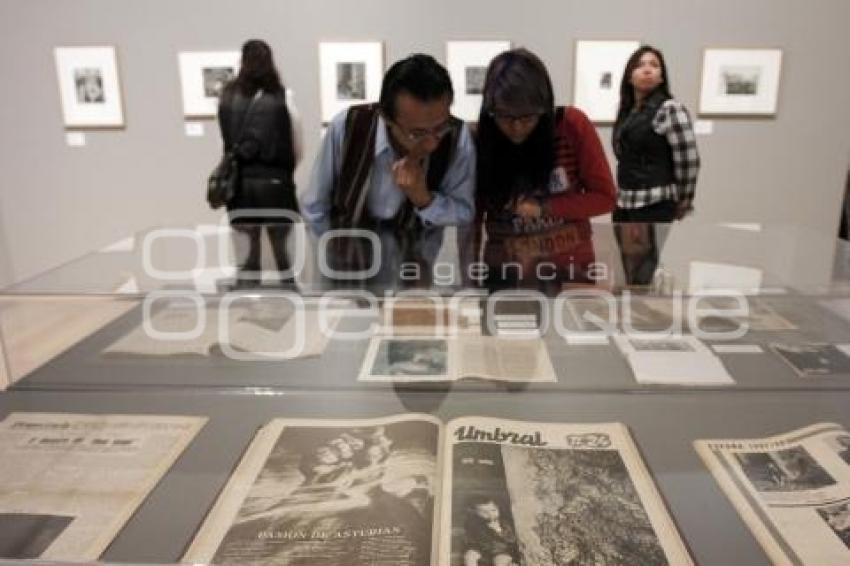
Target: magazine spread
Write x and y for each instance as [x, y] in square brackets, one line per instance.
[69, 482]
[371, 492]
[431, 358]
[792, 490]
[268, 328]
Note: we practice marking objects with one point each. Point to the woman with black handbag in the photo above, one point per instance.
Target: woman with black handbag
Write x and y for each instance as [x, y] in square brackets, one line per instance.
[258, 127]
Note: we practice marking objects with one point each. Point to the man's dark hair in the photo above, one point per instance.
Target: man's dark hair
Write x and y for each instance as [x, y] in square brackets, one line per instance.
[419, 75]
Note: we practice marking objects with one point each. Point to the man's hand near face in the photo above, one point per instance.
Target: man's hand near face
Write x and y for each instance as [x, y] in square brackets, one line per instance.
[409, 175]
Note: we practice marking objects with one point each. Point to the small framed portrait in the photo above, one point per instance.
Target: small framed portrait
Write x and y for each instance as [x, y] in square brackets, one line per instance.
[89, 87]
[599, 67]
[203, 75]
[740, 82]
[349, 73]
[467, 63]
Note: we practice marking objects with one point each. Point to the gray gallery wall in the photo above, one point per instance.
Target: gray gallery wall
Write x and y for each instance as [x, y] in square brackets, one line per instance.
[58, 202]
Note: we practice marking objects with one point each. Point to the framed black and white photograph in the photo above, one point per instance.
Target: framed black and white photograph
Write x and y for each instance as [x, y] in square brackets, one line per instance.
[351, 81]
[740, 82]
[598, 71]
[89, 87]
[349, 73]
[203, 75]
[467, 63]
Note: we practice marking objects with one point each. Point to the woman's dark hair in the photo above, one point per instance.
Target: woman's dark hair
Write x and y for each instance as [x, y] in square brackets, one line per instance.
[257, 70]
[516, 80]
[420, 76]
[627, 91]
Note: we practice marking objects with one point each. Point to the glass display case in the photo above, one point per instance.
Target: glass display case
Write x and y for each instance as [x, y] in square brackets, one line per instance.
[679, 332]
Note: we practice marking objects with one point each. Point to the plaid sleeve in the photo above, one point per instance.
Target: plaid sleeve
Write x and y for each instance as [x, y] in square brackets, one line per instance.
[674, 122]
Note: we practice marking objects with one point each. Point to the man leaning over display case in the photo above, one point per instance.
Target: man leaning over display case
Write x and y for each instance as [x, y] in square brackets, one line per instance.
[400, 164]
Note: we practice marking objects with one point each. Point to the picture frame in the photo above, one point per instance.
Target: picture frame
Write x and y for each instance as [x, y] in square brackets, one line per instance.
[349, 73]
[467, 63]
[89, 87]
[203, 75]
[740, 82]
[598, 71]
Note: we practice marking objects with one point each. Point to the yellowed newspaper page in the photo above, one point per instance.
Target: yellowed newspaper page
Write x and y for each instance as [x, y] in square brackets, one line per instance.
[69, 482]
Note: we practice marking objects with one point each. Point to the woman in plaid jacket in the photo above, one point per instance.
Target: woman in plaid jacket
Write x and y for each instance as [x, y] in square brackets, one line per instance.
[653, 139]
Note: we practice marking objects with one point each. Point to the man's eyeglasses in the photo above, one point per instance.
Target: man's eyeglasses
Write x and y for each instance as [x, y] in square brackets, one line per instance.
[524, 119]
[418, 135]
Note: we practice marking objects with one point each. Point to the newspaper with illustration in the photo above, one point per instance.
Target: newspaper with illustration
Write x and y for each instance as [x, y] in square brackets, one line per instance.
[69, 482]
[792, 490]
[407, 490]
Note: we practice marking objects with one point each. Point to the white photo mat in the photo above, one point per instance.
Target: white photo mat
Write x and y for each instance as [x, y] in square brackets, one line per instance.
[201, 73]
[349, 73]
[89, 87]
[467, 63]
[599, 67]
[740, 82]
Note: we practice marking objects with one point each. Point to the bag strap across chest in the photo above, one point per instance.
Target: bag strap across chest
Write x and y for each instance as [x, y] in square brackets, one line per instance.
[358, 156]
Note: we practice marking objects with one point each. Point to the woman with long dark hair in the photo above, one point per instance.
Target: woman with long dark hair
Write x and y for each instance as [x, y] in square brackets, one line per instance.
[657, 163]
[657, 158]
[542, 173]
[256, 120]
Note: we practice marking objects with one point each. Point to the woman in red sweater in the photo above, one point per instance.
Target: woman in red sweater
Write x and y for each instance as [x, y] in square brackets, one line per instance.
[542, 174]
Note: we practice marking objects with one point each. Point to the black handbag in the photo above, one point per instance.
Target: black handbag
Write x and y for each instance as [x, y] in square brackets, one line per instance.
[223, 182]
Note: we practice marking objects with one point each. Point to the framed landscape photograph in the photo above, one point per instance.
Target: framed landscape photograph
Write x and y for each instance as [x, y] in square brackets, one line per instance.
[349, 73]
[598, 71]
[203, 75]
[89, 89]
[738, 82]
[467, 63]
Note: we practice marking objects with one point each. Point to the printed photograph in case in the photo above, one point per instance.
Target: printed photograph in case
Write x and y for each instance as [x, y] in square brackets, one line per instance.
[25, 536]
[813, 360]
[467, 63]
[740, 82]
[89, 88]
[838, 518]
[335, 493]
[427, 358]
[597, 74]
[349, 73]
[203, 75]
[792, 469]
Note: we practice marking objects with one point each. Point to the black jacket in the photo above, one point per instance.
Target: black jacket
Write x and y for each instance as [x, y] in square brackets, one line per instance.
[644, 158]
[267, 148]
